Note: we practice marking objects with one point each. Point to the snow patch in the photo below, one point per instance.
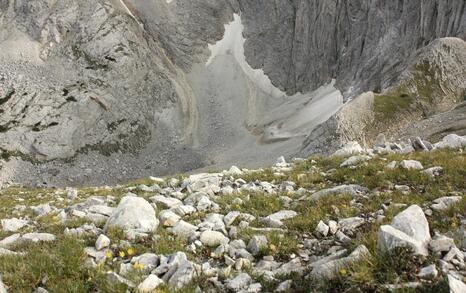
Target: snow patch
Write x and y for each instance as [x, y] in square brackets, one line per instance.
[232, 43]
[300, 114]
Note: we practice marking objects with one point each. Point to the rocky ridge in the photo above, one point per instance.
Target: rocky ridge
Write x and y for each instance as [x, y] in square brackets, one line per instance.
[395, 207]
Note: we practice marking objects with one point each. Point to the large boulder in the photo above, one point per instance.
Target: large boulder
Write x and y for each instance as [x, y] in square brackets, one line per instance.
[133, 214]
[408, 229]
[451, 141]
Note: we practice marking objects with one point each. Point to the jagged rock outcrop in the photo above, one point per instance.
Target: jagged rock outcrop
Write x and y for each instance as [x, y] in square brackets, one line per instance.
[424, 102]
[304, 43]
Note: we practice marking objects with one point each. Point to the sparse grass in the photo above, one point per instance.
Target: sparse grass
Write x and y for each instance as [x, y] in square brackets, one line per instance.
[60, 263]
[390, 104]
[167, 244]
[266, 174]
[259, 204]
[280, 245]
[310, 213]
[448, 220]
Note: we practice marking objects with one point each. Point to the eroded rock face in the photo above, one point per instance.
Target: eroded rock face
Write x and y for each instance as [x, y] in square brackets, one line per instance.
[292, 34]
[432, 85]
[81, 80]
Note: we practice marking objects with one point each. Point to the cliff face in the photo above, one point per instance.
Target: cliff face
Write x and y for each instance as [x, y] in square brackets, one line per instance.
[427, 101]
[123, 83]
[364, 44]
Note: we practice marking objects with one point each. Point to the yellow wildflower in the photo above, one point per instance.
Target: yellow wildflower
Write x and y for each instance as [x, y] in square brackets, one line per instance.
[138, 266]
[108, 254]
[343, 272]
[130, 251]
[121, 253]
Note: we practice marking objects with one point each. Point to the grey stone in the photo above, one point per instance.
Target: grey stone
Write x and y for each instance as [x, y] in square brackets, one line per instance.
[419, 145]
[257, 243]
[9, 241]
[408, 229]
[38, 237]
[2, 287]
[184, 230]
[231, 217]
[166, 202]
[428, 273]
[340, 236]
[150, 284]
[13, 225]
[4, 251]
[133, 214]
[293, 266]
[101, 209]
[350, 224]
[451, 141]
[407, 285]
[322, 229]
[355, 160]
[234, 171]
[441, 243]
[392, 165]
[149, 261]
[275, 219]
[102, 242]
[241, 281]
[71, 193]
[203, 204]
[411, 165]
[114, 278]
[284, 286]
[213, 238]
[456, 286]
[352, 190]
[168, 218]
[445, 202]
[433, 171]
[329, 269]
[184, 210]
[42, 209]
[254, 288]
[182, 276]
[350, 148]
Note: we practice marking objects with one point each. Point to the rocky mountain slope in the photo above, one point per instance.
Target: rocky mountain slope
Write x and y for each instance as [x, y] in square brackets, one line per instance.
[100, 91]
[382, 219]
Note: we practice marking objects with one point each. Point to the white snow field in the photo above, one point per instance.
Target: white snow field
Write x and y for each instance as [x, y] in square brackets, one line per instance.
[243, 117]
